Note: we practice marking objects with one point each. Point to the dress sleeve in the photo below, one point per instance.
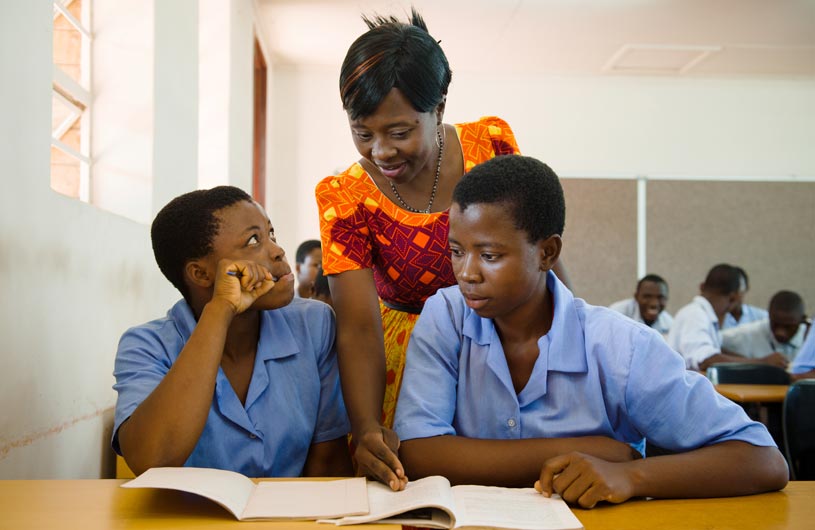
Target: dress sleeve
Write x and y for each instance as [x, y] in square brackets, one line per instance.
[344, 233]
[503, 139]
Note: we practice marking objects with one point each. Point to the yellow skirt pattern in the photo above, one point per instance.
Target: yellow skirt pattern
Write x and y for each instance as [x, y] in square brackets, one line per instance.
[396, 326]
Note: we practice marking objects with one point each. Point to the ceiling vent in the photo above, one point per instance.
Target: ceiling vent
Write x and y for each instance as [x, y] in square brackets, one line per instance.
[657, 59]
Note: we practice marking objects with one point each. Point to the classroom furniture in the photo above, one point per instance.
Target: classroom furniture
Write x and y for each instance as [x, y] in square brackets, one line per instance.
[799, 429]
[753, 393]
[103, 505]
[760, 403]
[747, 373]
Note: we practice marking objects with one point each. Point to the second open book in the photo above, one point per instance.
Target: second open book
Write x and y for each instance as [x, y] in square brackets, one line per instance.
[430, 502]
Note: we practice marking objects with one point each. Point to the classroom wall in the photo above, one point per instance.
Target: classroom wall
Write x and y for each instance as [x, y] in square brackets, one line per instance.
[606, 126]
[75, 276]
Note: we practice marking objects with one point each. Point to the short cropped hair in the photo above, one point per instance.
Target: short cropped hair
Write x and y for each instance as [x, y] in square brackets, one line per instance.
[723, 279]
[651, 278]
[529, 188]
[184, 229]
[305, 249]
[787, 302]
[743, 274]
[393, 54]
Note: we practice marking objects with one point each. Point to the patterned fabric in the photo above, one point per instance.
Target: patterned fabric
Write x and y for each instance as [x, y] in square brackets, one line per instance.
[361, 228]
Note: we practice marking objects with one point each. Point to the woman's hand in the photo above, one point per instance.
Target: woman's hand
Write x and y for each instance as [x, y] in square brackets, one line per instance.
[586, 480]
[240, 283]
[376, 457]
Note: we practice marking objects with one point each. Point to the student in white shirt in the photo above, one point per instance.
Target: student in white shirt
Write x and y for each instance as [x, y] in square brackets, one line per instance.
[696, 331]
[648, 304]
[782, 332]
[743, 313]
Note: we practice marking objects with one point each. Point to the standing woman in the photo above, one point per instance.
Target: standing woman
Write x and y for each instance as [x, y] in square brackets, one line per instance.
[384, 220]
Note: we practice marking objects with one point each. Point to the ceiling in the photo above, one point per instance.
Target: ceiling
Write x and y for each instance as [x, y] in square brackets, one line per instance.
[710, 38]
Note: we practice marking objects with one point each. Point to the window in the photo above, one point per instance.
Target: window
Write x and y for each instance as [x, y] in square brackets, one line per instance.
[70, 101]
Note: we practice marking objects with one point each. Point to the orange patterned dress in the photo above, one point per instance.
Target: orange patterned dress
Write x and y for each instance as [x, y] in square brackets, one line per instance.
[408, 252]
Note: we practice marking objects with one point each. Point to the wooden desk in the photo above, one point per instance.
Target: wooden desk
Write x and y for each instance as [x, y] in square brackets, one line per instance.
[102, 504]
[754, 393]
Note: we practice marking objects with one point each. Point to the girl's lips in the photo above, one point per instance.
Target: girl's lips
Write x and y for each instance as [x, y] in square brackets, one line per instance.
[475, 303]
[286, 277]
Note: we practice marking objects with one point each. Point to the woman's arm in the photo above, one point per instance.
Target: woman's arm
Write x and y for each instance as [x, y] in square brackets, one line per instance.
[721, 470]
[361, 356]
[510, 463]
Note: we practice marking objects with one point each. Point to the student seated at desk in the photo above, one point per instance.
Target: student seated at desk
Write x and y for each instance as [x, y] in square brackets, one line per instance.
[648, 304]
[238, 375]
[742, 313]
[696, 331]
[804, 365]
[782, 332]
[510, 379]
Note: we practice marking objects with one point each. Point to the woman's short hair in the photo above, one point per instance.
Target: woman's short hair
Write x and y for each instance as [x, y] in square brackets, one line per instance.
[393, 54]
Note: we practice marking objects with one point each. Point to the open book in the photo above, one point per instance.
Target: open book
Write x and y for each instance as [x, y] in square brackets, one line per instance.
[279, 499]
[432, 503]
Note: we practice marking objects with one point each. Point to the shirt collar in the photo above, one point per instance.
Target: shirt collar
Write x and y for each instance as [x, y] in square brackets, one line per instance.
[566, 350]
[703, 302]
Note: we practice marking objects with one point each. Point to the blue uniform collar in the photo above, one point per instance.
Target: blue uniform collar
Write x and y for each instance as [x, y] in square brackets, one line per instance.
[564, 345]
[276, 342]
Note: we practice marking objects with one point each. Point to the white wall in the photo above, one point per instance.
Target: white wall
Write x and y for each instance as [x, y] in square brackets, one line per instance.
[579, 125]
[73, 278]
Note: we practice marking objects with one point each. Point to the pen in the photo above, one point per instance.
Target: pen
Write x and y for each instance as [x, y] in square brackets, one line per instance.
[234, 273]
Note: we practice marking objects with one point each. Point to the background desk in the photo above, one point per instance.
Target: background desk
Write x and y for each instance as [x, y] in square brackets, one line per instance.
[103, 505]
[754, 393]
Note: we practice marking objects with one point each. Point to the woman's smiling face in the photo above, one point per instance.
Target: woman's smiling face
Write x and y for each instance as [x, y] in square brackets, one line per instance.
[399, 140]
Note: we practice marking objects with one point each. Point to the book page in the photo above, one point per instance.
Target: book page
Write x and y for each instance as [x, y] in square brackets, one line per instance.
[515, 508]
[429, 492]
[229, 489]
[307, 499]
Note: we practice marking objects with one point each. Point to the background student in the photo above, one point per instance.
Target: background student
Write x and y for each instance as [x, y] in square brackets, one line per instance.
[648, 304]
[804, 365]
[742, 313]
[238, 375]
[530, 383]
[308, 259]
[783, 331]
[696, 331]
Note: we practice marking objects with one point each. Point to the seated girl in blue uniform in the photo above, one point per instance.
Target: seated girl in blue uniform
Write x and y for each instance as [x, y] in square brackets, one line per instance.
[512, 381]
[238, 375]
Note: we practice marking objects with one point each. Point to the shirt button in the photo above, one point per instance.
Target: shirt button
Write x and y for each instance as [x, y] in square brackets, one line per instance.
[252, 436]
[511, 422]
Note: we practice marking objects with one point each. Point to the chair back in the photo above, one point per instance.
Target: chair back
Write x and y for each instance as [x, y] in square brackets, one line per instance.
[799, 429]
[747, 374]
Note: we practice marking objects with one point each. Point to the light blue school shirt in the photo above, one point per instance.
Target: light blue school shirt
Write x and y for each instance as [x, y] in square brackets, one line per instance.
[749, 313]
[294, 397]
[805, 360]
[598, 373]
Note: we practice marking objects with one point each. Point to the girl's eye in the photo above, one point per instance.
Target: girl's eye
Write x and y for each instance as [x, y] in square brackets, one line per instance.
[252, 240]
[489, 257]
[363, 136]
[271, 236]
[456, 252]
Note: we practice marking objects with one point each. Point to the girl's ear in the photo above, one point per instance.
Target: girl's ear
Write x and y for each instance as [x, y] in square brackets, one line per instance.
[196, 273]
[549, 250]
